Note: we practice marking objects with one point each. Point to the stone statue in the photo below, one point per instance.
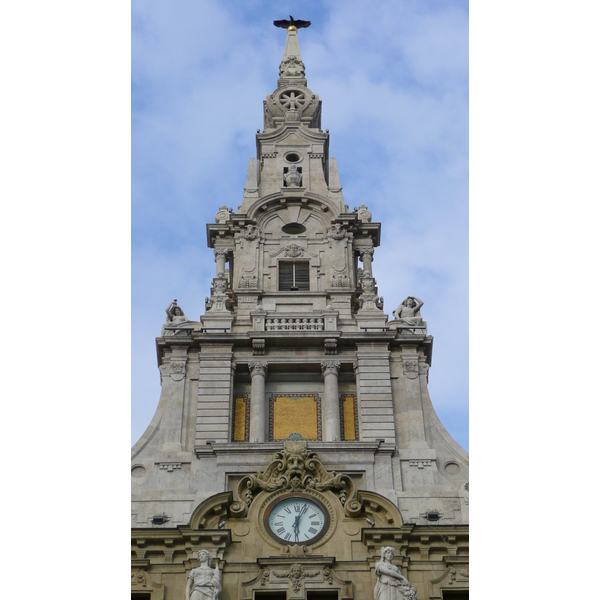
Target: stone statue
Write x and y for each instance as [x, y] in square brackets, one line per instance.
[175, 320]
[204, 582]
[175, 314]
[293, 178]
[391, 584]
[409, 311]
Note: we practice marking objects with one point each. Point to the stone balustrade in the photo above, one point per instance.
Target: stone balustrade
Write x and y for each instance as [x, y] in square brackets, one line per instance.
[294, 324]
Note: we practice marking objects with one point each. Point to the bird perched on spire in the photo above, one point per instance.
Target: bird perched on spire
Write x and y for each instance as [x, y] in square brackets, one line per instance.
[284, 23]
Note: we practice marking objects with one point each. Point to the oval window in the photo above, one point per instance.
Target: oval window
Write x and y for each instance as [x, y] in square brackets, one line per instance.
[292, 157]
[293, 228]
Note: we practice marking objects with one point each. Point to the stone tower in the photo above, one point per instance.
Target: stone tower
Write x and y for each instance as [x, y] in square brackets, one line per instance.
[295, 384]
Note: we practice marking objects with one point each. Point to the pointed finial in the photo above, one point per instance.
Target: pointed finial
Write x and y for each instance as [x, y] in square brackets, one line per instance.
[291, 63]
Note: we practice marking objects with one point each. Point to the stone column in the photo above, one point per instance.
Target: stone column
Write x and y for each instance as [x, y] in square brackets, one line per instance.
[331, 401]
[258, 405]
[367, 259]
[220, 259]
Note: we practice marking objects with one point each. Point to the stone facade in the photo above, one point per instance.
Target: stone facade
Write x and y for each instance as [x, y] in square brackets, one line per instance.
[295, 357]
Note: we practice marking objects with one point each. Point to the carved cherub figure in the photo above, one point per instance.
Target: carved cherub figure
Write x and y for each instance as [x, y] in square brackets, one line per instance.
[409, 310]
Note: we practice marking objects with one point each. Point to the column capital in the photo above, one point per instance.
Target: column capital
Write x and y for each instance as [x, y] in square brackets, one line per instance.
[220, 253]
[258, 368]
[330, 366]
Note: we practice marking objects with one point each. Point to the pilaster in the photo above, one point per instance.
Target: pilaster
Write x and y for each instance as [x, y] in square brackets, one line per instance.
[373, 385]
[214, 393]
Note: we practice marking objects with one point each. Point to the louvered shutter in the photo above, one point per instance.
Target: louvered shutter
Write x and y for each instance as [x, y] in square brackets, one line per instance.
[286, 276]
[294, 276]
[302, 278]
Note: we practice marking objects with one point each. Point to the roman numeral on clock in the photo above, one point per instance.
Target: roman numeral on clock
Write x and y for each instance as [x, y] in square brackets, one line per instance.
[312, 530]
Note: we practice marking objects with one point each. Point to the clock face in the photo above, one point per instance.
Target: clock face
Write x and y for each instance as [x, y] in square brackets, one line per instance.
[297, 520]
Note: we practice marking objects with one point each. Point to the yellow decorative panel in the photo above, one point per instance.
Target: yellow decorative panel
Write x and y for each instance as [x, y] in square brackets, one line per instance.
[349, 420]
[295, 415]
[241, 419]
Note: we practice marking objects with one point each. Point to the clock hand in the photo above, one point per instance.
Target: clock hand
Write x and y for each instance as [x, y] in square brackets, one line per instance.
[302, 512]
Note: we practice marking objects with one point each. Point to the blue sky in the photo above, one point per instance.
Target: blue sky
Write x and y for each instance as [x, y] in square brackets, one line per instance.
[393, 79]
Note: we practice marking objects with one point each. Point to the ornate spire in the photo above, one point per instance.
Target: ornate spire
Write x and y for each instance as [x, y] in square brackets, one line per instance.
[291, 66]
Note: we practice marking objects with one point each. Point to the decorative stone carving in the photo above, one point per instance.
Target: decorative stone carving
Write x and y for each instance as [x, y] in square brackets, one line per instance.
[219, 300]
[409, 311]
[328, 576]
[391, 584]
[294, 99]
[293, 250]
[294, 468]
[411, 368]
[336, 231]
[339, 278]
[169, 466]
[248, 281]
[223, 214]
[363, 213]
[330, 346]
[296, 550]
[293, 177]
[250, 232]
[369, 300]
[296, 575]
[420, 464]
[258, 347]
[141, 581]
[291, 66]
[367, 254]
[292, 115]
[330, 366]
[173, 368]
[204, 582]
[258, 368]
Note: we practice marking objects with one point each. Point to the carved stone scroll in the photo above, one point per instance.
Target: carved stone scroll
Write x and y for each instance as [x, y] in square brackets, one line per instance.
[294, 468]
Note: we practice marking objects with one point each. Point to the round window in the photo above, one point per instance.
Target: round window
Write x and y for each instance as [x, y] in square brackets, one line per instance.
[292, 157]
[293, 228]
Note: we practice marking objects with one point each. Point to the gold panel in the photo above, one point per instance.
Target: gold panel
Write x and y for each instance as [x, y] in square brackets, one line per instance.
[295, 414]
[241, 419]
[349, 420]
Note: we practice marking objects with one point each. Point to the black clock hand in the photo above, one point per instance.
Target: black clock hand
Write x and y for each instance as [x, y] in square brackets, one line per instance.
[302, 512]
